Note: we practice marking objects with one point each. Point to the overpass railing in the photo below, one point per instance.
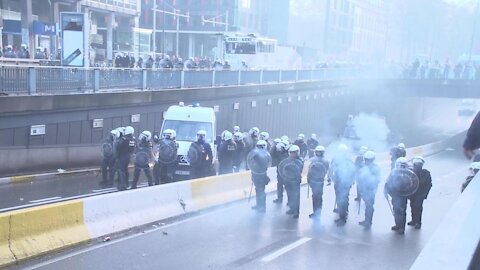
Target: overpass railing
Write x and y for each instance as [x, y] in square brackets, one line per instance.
[20, 80]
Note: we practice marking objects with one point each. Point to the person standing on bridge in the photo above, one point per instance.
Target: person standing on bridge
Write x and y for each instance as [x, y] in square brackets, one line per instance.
[316, 178]
[472, 141]
[397, 152]
[143, 158]
[125, 149]
[416, 199]
[368, 178]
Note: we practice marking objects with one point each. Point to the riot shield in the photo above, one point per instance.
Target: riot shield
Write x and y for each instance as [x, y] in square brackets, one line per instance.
[404, 182]
[259, 160]
[317, 171]
[194, 155]
[167, 151]
[142, 158]
[290, 169]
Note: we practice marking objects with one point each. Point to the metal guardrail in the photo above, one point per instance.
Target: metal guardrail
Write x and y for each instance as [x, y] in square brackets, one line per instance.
[20, 80]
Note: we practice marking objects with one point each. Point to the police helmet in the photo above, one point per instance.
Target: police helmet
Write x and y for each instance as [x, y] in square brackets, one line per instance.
[236, 129]
[264, 135]
[314, 136]
[418, 159]
[147, 135]
[115, 133]
[254, 131]
[262, 144]
[9, 47]
[120, 130]
[401, 145]
[277, 140]
[284, 138]
[168, 133]
[294, 148]
[201, 134]
[238, 136]
[401, 162]
[24, 46]
[129, 130]
[362, 150]
[342, 148]
[301, 136]
[227, 135]
[369, 155]
[320, 148]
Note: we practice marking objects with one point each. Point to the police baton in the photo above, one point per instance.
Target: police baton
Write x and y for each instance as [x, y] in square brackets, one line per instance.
[359, 204]
[390, 206]
[250, 195]
[308, 191]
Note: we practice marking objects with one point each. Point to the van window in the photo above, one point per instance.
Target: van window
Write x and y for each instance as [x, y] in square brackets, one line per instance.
[187, 130]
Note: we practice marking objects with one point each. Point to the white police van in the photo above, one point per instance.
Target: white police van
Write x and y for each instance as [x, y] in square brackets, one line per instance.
[187, 121]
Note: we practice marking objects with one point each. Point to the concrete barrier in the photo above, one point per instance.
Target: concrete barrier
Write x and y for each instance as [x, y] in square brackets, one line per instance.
[456, 240]
[37, 230]
[34, 231]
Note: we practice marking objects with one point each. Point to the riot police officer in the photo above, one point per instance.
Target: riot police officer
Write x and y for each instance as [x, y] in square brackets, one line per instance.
[395, 187]
[167, 157]
[274, 152]
[236, 129]
[316, 176]
[143, 157]
[281, 154]
[108, 163]
[203, 167]
[125, 149]
[251, 141]
[300, 142]
[312, 143]
[239, 151]
[368, 178]
[424, 186]
[260, 179]
[396, 152]
[359, 162]
[292, 185]
[226, 153]
[265, 136]
[342, 173]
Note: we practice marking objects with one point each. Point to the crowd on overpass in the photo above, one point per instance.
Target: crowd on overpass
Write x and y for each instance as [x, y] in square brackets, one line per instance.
[255, 151]
[436, 70]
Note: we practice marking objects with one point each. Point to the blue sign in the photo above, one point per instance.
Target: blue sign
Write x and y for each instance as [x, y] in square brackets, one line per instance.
[40, 28]
[12, 27]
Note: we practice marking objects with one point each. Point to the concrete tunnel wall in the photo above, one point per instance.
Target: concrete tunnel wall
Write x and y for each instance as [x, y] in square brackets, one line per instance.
[287, 109]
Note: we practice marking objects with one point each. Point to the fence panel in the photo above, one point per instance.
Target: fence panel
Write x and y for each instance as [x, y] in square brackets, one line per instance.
[270, 76]
[14, 80]
[198, 78]
[288, 75]
[164, 79]
[226, 77]
[64, 80]
[250, 77]
[120, 78]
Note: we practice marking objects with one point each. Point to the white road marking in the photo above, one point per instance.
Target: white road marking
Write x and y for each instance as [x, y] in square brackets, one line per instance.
[280, 252]
[103, 190]
[46, 199]
[112, 242]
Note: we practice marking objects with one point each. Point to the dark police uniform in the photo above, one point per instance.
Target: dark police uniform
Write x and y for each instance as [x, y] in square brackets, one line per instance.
[316, 183]
[226, 155]
[108, 162]
[416, 200]
[280, 155]
[239, 155]
[293, 191]
[343, 175]
[204, 166]
[125, 149]
[144, 147]
[395, 153]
